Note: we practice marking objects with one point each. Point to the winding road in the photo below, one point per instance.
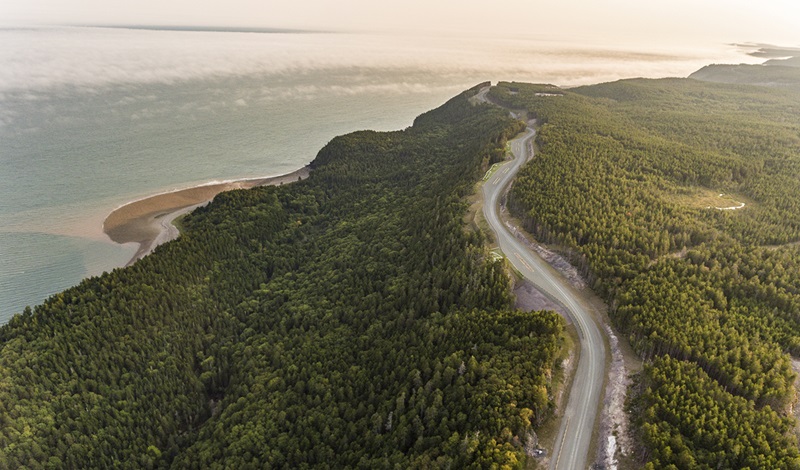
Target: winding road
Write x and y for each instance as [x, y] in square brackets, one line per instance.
[578, 419]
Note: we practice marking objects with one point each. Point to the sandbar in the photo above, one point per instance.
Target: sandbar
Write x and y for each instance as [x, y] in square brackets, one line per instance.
[148, 221]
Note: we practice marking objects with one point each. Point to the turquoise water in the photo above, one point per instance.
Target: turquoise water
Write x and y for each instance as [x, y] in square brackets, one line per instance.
[92, 118]
[83, 155]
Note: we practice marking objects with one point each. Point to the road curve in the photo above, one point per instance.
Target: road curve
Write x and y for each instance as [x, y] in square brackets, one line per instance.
[578, 419]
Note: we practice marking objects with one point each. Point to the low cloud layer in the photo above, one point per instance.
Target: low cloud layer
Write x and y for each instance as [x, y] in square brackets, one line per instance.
[42, 59]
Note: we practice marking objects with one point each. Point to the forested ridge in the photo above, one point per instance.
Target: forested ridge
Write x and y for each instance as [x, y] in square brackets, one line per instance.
[680, 201]
[346, 320]
[783, 73]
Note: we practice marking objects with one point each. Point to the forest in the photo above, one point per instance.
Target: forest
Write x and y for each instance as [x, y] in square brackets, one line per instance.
[346, 320]
[679, 200]
[774, 73]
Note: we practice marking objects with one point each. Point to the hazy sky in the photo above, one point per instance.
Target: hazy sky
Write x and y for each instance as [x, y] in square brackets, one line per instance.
[774, 21]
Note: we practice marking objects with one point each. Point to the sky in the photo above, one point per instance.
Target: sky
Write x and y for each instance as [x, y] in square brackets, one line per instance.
[766, 21]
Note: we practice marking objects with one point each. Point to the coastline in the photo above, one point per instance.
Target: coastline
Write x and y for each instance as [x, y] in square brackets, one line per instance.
[148, 221]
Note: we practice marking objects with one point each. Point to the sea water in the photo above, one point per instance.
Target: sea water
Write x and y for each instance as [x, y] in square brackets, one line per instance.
[91, 118]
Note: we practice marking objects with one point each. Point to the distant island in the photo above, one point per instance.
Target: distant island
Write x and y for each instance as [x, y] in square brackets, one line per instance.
[206, 29]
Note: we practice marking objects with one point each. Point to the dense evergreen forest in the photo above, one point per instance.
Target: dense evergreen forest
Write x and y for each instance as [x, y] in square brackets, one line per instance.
[347, 320]
[680, 201]
[784, 73]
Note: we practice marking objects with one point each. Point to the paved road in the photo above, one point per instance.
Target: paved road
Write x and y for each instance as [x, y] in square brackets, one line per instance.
[574, 437]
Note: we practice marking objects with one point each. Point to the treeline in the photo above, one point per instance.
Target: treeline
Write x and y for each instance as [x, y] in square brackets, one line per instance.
[348, 320]
[626, 182]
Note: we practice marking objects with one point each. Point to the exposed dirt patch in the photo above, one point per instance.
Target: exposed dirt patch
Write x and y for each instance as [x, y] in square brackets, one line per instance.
[528, 297]
[681, 254]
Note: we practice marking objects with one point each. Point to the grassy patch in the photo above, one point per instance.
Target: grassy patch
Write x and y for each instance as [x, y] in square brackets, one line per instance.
[178, 222]
[696, 197]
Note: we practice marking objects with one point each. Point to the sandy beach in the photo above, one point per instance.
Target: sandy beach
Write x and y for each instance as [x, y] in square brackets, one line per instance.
[148, 221]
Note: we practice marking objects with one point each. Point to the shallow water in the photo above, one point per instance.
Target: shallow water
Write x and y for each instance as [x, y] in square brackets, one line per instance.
[91, 118]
